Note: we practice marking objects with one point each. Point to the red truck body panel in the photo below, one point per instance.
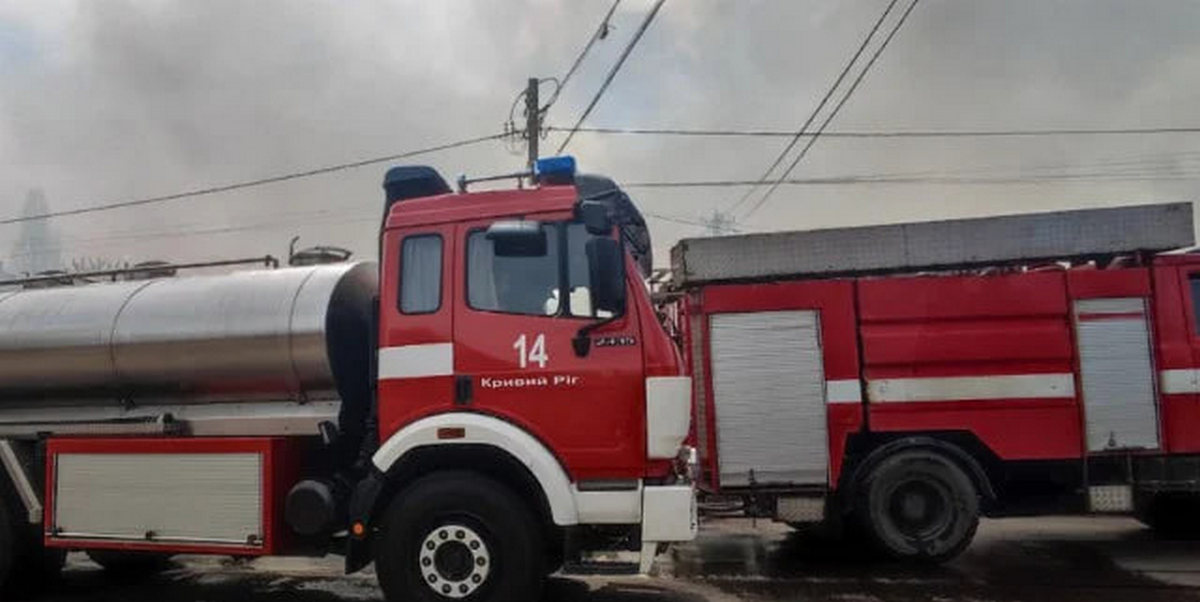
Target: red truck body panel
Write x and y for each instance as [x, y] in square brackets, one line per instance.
[980, 328]
[994, 356]
[280, 465]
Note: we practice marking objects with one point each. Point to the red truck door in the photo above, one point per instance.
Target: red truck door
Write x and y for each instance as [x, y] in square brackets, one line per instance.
[1116, 373]
[1114, 339]
[1189, 282]
[1177, 316]
[514, 331]
[781, 382]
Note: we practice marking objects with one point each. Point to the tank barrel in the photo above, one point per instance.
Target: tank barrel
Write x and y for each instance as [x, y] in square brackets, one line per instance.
[244, 336]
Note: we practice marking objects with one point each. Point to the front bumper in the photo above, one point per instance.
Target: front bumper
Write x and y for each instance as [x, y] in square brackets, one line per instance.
[669, 513]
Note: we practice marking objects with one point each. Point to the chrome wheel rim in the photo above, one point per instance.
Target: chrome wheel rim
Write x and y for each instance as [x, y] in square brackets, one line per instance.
[454, 561]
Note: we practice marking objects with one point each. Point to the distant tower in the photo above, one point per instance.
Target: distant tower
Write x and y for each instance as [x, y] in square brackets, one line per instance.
[720, 223]
[38, 245]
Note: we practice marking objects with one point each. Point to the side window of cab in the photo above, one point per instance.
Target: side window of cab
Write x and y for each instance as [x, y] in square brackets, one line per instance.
[420, 274]
[1194, 287]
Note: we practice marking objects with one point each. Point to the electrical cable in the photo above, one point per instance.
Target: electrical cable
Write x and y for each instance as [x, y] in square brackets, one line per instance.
[250, 183]
[677, 220]
[837, 108]
[821, 105]
[868, 181]
[600, 33]
[637, 36]
[881, 134]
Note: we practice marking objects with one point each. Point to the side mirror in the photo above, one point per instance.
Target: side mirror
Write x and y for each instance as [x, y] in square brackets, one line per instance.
[518, 238]
[606, 270]
[594, 216]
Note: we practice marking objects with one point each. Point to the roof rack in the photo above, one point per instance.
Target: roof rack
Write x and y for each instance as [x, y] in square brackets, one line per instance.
[937, 245]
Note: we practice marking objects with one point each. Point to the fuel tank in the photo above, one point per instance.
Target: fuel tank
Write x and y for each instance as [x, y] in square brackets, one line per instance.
[292, 334]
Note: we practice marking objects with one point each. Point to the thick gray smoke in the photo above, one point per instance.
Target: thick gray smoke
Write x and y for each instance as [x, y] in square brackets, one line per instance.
[111, 100]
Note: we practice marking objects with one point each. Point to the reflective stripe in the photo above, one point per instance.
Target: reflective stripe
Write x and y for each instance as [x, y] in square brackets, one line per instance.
[1176, 382]
[843, 391]
[416, 361]
[955, 388]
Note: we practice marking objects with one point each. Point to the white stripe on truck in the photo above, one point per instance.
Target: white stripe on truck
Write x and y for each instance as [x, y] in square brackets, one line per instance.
[954, 388]
[843, 391]
[1181, 381]
[416, 361]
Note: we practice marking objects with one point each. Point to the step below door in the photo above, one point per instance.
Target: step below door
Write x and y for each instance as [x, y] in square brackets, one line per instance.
[769, 395]
[1117, 374]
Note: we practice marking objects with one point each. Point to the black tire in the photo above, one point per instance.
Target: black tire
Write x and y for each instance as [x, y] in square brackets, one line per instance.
[130, 564]
[8, 547]
[462, 531]
[26, 566]
[918, 506]
[1170, 515]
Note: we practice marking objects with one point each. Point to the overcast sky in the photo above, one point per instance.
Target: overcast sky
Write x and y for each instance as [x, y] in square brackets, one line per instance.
[103, 101]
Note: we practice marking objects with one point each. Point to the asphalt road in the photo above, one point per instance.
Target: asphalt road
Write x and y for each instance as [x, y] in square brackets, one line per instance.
[1044, 559]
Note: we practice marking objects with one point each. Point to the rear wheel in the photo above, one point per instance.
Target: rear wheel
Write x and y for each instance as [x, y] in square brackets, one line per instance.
[1170, 515]
[460, 536]
[918, 506]
[130, 563]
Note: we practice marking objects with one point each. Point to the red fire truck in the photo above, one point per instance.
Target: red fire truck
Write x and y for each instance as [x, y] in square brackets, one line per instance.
[496, 400]
[903, 380]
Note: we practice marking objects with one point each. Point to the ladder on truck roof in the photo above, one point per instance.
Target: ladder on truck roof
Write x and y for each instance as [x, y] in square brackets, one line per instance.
[937, 245]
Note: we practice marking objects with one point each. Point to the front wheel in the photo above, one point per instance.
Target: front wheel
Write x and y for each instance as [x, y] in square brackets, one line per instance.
[918, 506]
[459, 536]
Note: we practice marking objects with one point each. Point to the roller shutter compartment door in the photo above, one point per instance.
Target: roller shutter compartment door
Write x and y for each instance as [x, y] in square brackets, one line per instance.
[769, 395]
[1117, 374]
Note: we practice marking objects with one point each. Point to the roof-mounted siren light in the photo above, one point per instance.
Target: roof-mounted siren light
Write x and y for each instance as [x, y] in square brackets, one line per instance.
[410, 182]
[555, 170]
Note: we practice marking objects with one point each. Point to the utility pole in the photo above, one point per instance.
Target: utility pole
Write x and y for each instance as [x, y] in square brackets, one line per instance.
[533, 120]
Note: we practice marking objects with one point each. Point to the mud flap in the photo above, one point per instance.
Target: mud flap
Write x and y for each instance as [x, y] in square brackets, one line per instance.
[361, 512]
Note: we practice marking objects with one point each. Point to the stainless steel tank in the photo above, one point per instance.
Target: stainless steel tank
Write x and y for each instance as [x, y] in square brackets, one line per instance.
[293, 334]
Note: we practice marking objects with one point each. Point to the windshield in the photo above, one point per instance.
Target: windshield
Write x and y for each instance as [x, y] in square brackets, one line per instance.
[532, 285]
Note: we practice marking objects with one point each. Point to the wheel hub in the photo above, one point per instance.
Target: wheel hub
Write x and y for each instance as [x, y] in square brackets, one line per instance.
[454, 561]
[920, 508]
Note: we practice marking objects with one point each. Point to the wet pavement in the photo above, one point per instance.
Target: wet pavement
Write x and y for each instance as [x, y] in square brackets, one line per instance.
[1043, 559]
[1055, 559]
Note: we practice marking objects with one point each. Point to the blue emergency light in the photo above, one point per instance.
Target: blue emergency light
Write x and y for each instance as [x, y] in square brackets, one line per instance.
[555, 170]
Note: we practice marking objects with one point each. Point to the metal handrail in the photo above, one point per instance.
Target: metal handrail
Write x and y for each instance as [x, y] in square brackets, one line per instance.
[267, 260]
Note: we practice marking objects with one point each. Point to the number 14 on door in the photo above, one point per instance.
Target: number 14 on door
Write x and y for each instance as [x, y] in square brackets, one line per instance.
[531, 354]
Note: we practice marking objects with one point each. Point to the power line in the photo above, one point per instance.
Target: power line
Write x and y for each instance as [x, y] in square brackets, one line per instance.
[869, 181]
[291, 220]
[836, 109]
[322, 217]
[251, 183]
[718, 133]
[600, 33]
[821, 105]
[674, 219]
[637, 36]
[77, 245]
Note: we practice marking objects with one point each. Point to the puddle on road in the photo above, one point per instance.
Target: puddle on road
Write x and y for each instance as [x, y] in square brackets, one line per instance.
[777, 564]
